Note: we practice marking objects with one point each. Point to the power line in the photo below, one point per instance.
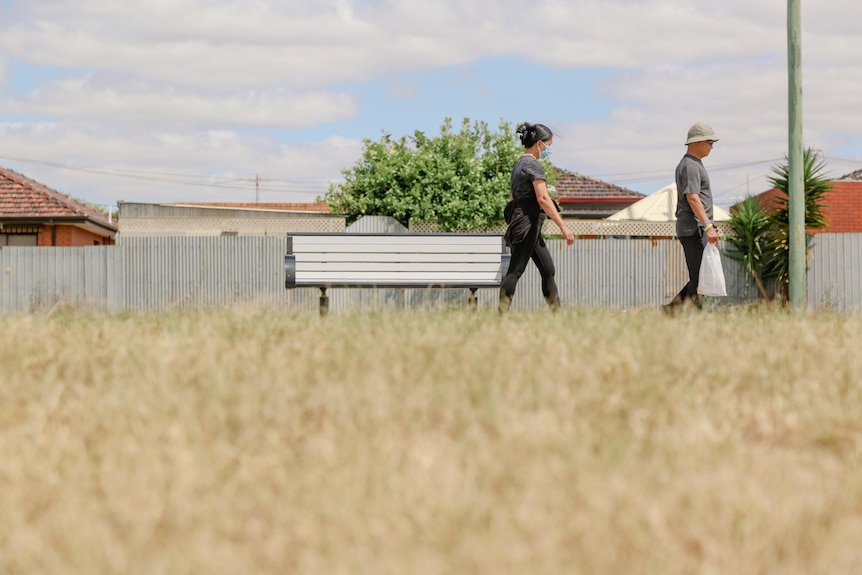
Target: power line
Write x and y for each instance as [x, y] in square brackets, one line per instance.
[745, 184]
[655, 175]
[275, 185]
[855, 161]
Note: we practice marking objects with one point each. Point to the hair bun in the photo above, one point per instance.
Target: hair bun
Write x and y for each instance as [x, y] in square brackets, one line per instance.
[524, 130]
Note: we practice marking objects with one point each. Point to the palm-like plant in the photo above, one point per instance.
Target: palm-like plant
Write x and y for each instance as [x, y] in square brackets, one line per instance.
[816, 184]
[749, 224]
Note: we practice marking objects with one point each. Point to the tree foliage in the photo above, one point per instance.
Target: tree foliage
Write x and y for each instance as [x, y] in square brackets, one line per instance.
[459, 180]
[816, 185]
[749, 225]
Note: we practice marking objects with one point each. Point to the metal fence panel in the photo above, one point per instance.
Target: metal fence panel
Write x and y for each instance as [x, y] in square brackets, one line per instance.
[834, 276]
[158, 273]
[612, 273]
[619, 273]
[179, 272]
[35, 278]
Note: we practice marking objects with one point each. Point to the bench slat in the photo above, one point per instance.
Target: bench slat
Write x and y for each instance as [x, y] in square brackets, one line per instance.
[382, 267]
[314, 279]
[461, 241]
[336, 257]
[397, 249]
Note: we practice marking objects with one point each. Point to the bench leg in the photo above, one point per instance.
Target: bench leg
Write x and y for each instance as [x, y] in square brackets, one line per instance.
[473, 302]
[324, 302]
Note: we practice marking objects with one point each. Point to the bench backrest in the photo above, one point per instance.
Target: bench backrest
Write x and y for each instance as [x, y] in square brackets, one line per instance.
[395, 260]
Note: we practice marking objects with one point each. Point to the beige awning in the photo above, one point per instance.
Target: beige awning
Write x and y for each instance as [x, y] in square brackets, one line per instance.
[659, 206]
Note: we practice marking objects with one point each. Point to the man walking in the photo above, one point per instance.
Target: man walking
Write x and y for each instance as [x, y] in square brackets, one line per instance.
[694, 225]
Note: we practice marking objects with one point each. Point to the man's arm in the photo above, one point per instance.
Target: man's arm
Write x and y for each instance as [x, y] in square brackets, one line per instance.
[700, 214]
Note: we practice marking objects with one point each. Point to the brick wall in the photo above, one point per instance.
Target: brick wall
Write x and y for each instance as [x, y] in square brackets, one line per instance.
[842, 207]
[71, 236]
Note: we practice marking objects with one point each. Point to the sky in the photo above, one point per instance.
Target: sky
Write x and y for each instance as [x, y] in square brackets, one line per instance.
[270, 100]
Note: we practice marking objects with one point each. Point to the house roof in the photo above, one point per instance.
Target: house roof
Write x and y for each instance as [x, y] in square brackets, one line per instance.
[851, 177]
[572, 186]
[660, 206]
[27, 200]
[842, 204]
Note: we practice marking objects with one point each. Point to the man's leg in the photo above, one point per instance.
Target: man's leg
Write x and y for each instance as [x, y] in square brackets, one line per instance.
[692, 247]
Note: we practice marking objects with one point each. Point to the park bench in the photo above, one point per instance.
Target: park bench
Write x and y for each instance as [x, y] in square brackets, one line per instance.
[408, 260]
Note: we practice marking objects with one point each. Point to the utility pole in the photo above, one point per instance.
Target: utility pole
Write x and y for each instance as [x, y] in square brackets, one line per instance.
[795, 176]
[257, 188]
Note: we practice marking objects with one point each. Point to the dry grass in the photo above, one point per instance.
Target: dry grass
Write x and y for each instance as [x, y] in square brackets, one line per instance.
[431, 443]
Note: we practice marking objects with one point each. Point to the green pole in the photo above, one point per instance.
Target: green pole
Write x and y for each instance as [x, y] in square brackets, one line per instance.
[796, 184]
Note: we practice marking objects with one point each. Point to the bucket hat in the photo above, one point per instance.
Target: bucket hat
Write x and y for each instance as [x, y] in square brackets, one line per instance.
[700, 133]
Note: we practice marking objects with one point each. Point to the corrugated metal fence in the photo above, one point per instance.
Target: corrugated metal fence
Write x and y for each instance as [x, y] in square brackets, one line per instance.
[34, 278]
[165, 272]
[835, 274]
[153, 274]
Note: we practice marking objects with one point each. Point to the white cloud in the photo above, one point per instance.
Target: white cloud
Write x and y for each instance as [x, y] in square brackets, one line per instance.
[83, 100]
[746, 103]
[234, 45]
[176, 166]
[169, 85]
[229, 46]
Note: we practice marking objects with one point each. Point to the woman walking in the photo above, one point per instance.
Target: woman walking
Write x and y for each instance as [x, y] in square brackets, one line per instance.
[525, 214]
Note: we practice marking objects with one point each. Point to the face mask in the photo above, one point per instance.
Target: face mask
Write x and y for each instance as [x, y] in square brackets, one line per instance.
[546, 152]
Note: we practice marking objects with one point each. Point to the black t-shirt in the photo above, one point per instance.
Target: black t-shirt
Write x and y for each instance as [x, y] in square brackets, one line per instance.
[527, 169]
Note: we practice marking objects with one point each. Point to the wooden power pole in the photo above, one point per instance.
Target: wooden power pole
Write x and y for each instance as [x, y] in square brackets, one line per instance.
[796, 168]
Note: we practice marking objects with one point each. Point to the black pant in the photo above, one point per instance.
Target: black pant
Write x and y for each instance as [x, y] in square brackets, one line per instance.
[532, 248]
[693, 247]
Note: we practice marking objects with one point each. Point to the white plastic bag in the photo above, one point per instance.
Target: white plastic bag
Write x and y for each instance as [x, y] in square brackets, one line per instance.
[711, 280]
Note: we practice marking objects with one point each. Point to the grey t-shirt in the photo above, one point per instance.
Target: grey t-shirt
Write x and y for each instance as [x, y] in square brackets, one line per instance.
[691, 178]
[526, 170]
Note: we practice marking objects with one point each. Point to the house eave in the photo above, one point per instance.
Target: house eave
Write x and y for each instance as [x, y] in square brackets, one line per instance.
[102, 229]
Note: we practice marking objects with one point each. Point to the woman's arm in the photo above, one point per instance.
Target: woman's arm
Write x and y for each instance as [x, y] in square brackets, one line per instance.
[541, 188]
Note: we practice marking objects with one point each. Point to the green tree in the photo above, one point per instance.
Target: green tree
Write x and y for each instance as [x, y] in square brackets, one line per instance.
[457, 180]
[749, 228]
[816, 185]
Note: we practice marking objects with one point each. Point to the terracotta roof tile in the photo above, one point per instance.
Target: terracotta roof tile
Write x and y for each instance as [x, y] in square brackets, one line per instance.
[571, 185]
[21, 197]
[841, 206]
